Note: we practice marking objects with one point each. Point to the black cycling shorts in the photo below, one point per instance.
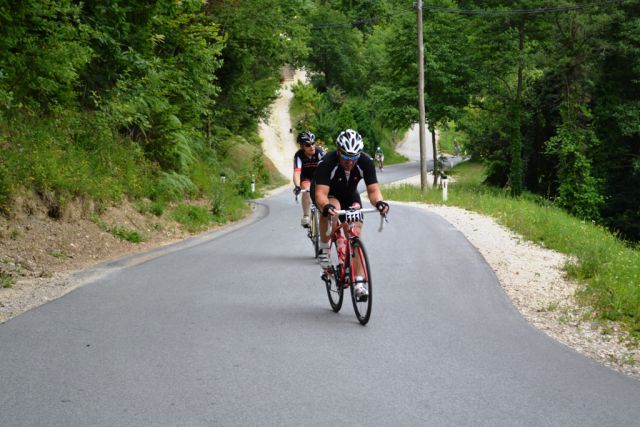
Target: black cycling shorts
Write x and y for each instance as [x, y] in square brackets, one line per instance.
[346, 201]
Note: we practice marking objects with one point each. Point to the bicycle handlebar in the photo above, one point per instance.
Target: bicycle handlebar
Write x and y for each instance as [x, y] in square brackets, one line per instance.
[353, 215]
[302, 191]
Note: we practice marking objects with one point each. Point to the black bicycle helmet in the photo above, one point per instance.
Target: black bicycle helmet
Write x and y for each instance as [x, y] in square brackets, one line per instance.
[350, 142]
[306, 137]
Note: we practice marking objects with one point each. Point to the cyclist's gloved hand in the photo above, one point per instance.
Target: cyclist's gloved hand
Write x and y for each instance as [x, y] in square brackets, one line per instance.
[327, 208]
[296, 190]
[382, 206]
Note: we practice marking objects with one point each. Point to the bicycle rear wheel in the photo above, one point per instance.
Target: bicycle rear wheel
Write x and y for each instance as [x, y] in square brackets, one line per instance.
[361, 308]
[333, 282]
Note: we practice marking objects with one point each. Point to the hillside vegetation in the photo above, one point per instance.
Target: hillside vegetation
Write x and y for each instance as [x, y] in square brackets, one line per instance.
[107, 100]
[150, 99]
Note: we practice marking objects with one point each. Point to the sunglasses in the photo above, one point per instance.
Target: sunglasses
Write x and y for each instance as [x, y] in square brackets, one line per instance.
[347, 158]
[309, 144]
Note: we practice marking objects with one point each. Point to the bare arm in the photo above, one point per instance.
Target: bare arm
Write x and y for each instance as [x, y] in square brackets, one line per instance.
[322, 196]
[296, 178]
[375, 196]
[374, 193]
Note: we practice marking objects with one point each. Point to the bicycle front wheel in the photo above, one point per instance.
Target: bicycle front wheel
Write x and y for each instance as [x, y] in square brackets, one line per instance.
[357, 256]
[333, 281]
[315, 232]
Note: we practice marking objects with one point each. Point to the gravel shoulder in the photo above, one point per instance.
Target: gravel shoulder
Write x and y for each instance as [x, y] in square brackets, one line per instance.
[534, 280]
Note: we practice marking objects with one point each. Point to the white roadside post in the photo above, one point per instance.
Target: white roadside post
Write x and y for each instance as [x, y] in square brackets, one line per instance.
[253, 183]
[445, 181]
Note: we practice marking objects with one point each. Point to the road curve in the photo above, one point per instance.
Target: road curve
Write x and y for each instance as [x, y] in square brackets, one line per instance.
[235, 329]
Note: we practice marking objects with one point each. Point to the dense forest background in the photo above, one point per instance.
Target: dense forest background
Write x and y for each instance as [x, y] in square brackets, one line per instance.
[155, 99]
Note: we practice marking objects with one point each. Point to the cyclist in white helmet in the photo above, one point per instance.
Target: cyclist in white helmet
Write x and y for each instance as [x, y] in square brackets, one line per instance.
[335, 187]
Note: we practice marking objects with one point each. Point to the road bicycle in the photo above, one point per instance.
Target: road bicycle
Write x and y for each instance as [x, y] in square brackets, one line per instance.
[346, 253]
[313, 230]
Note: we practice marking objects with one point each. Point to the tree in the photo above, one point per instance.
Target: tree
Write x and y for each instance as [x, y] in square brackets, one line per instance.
[261, 36]
[42, 52]
[446, 73]
[616, 120]
[155, 76]
[335, 57]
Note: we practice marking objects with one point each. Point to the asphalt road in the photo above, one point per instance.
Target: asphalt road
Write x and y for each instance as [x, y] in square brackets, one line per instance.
[234, 328]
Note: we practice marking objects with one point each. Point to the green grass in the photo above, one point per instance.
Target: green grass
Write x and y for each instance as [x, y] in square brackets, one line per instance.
[64, 157]
[127, 234]
[122, 233]
[6, 280]
[225, 205]
[77, 155]
[155, 207]
[607, 268]
[193, 218]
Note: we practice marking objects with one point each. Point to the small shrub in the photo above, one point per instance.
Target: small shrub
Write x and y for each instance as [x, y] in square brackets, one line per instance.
[6, 280]
[175, 186]
[226, 205]
[122, 233]
[5, 189]
[155, 207]
[193, 218]
[129, 235]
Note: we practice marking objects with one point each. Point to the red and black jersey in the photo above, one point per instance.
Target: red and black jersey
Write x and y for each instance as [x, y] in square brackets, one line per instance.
[307, 165]
[343, 186]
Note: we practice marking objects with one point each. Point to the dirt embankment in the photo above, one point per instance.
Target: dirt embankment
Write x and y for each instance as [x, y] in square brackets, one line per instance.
[38, 253]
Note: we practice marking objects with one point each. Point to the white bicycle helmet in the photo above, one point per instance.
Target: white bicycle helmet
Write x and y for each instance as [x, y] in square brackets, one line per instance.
[350, 142]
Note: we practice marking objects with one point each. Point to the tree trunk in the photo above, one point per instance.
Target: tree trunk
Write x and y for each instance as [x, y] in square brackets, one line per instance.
[435, 157]
[516, 144]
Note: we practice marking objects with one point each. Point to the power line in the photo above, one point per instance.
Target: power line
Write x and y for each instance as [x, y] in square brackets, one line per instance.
[323, 25]
[538, 11]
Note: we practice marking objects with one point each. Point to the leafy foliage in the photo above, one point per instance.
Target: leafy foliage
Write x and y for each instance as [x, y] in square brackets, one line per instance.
[261, 35]
[111, 99]
[43, 48]
[578, 191]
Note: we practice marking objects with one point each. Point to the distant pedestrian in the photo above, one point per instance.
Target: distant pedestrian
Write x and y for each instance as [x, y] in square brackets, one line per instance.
[456, 148]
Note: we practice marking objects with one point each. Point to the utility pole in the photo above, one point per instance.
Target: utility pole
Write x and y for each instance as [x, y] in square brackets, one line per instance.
[421, 125]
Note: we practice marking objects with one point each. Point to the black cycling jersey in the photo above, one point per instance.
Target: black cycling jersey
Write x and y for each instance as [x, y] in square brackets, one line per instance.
[307, 166]
[343, 187]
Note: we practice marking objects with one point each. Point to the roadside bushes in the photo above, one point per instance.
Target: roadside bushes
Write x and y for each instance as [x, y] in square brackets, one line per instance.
[63, 157]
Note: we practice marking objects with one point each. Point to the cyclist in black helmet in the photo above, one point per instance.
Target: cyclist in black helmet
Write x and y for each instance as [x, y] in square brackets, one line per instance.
[335, 187]
[305, 162]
